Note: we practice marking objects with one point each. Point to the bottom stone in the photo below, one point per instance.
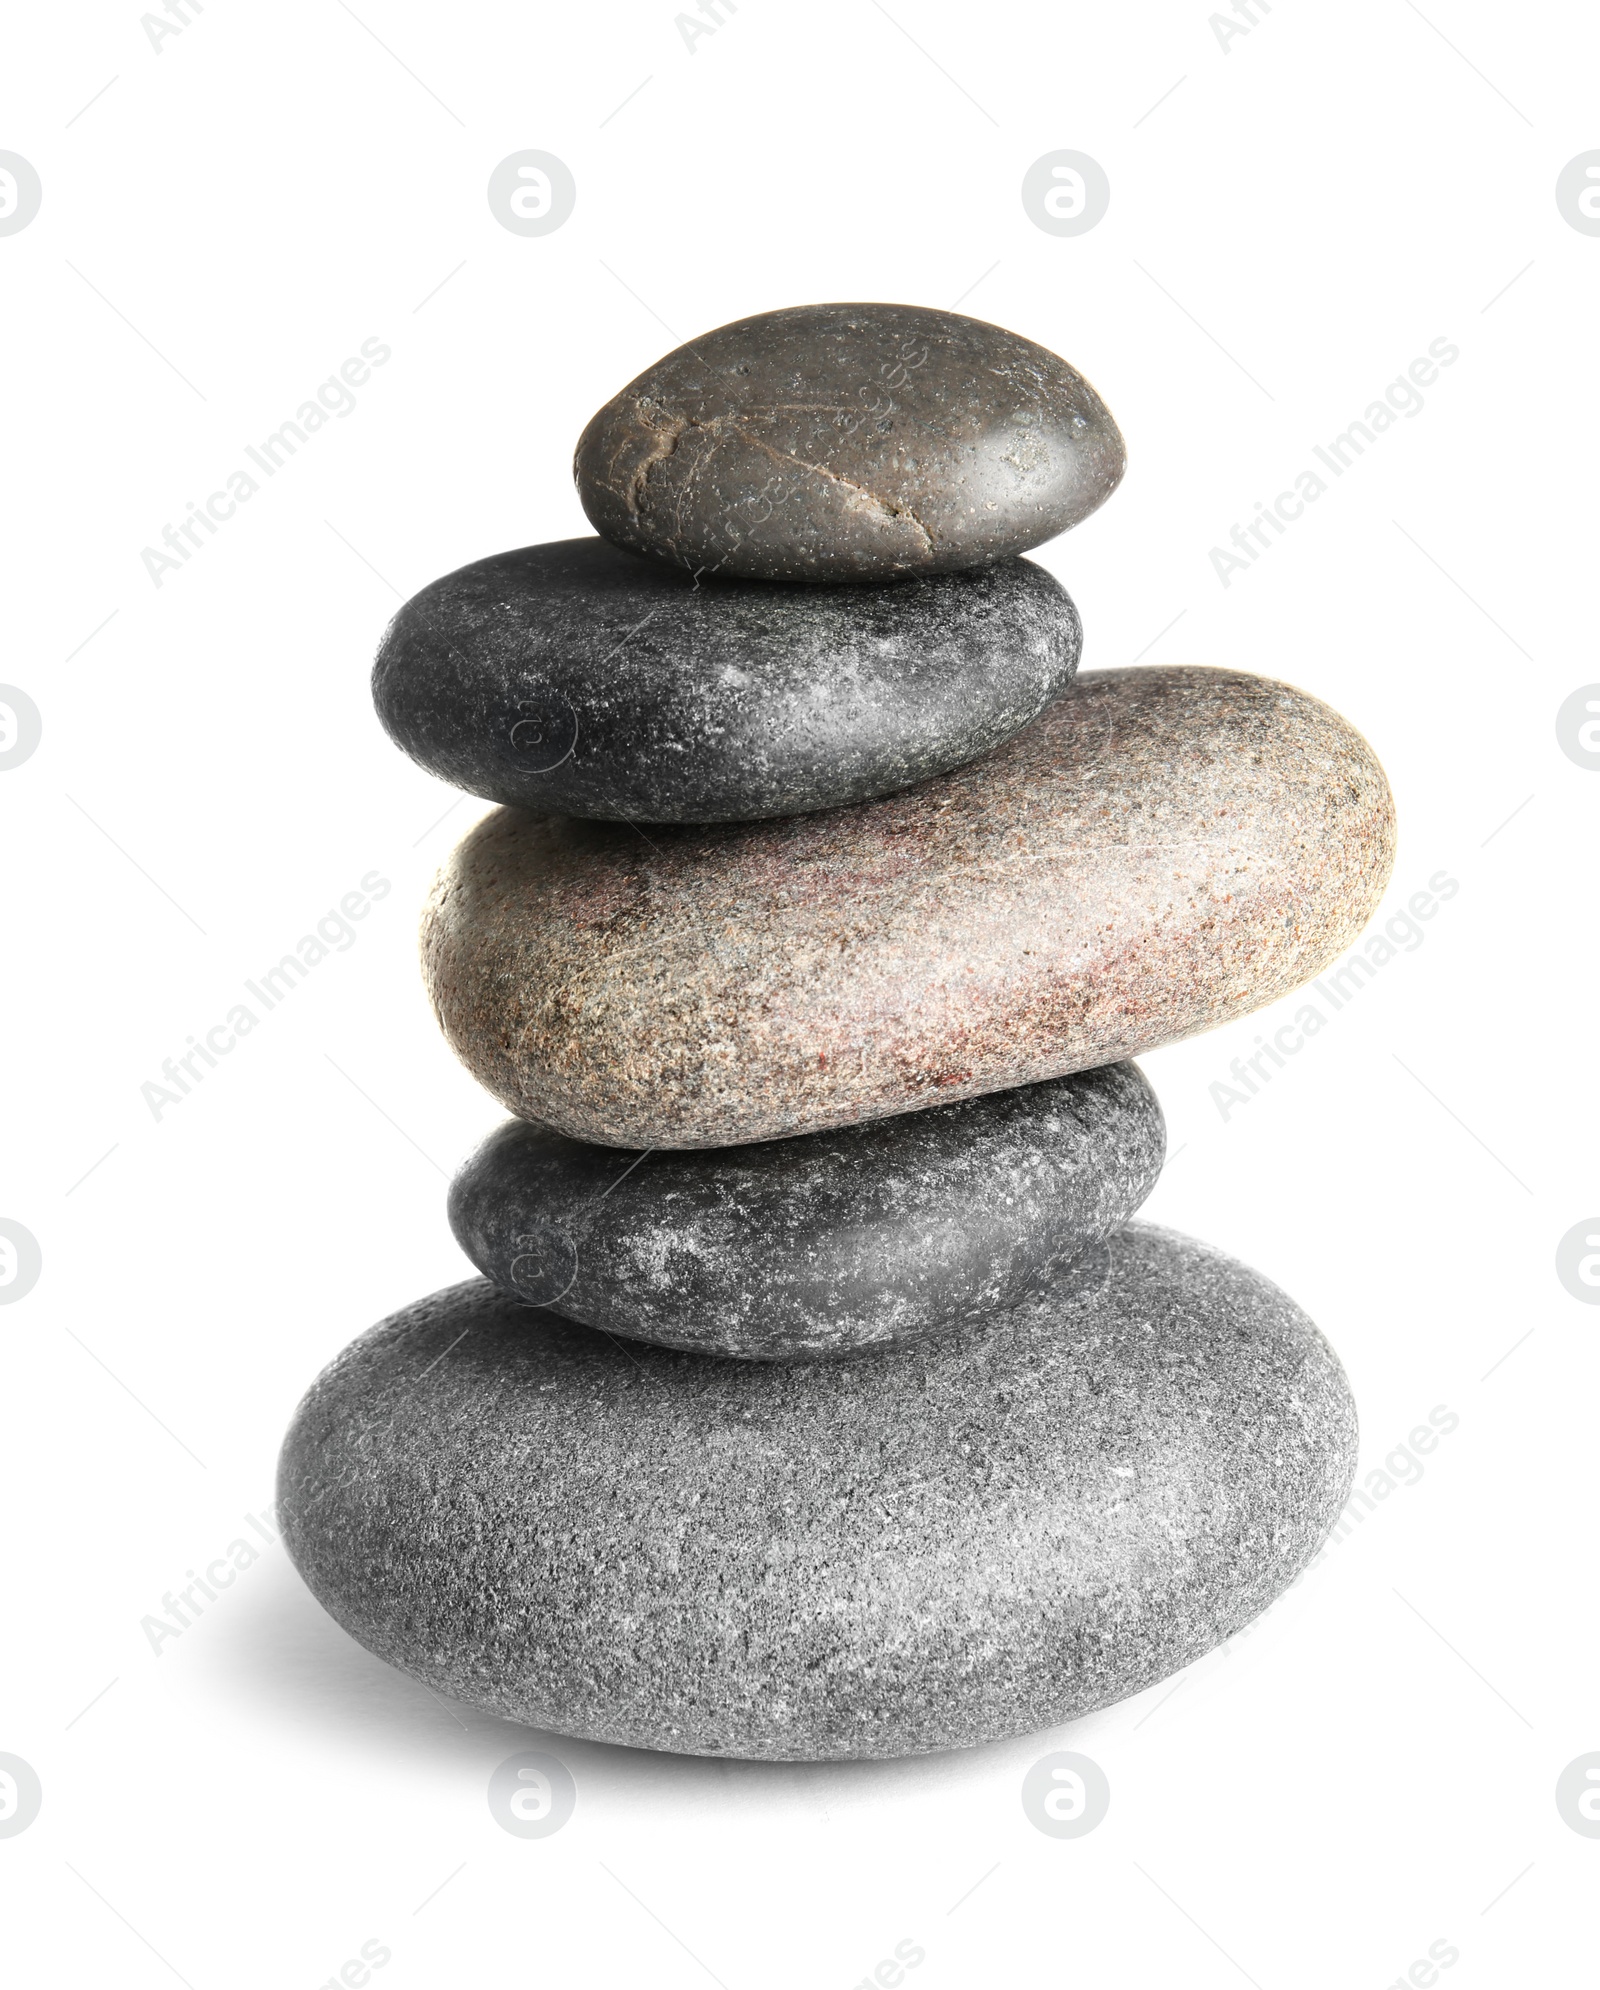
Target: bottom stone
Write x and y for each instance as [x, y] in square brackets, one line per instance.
[942, 1544]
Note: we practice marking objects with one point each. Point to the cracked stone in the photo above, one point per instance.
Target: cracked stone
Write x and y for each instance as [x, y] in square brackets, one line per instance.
[927, 1547]
[848, 442]
[583, 680]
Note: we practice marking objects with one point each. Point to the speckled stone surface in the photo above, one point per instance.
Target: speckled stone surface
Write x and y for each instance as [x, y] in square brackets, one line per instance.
[1160, 851]
[848, 442]
[586, 681]
[821, 1245]
[940, 1544]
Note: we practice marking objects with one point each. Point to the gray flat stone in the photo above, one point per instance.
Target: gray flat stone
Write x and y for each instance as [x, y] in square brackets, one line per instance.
[955, 1540]
[587, 681]
[848, 442]
[823, 1245]
[1159, 852]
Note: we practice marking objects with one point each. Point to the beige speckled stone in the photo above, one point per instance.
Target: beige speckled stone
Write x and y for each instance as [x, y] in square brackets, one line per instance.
[1161, 851]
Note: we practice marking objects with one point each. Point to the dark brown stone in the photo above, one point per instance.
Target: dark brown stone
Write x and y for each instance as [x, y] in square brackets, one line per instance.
[848, 442]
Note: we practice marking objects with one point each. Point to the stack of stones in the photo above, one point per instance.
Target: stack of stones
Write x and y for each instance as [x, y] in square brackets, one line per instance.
[819, 1397]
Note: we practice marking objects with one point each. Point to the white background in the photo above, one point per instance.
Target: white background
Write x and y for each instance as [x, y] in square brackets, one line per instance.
[1372, 1769]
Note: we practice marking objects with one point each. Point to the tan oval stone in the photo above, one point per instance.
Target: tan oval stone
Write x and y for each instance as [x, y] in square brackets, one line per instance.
[1161, 851]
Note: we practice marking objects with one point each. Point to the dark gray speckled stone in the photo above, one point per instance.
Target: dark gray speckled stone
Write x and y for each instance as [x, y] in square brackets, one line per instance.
[978, 1535]
[848, 442]
[585, 681]
[821, 1245]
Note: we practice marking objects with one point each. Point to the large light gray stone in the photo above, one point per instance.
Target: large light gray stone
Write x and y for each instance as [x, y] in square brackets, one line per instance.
[951, 1541]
